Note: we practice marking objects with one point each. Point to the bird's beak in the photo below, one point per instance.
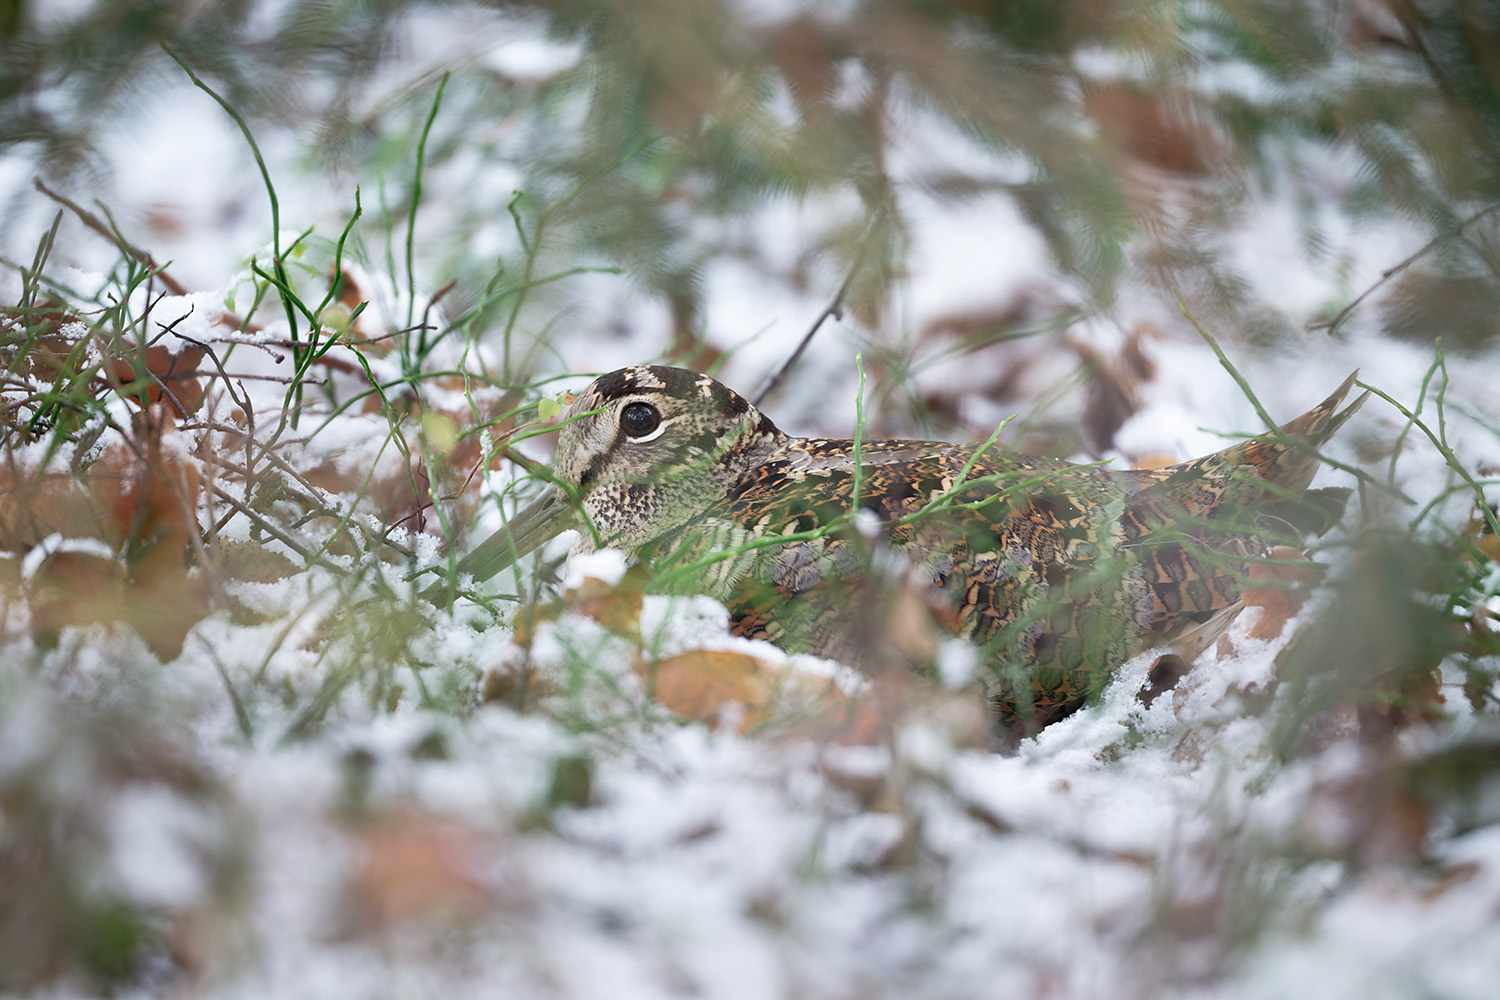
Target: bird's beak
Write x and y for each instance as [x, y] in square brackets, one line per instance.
[544, 518]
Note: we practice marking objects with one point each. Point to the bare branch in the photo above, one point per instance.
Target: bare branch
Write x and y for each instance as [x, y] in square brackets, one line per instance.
[835, 310]
[1390, 272]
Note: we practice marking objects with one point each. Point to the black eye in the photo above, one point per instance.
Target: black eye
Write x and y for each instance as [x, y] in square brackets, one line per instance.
[640, 419]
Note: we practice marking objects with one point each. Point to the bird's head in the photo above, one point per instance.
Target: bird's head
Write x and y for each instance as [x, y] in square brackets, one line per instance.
[643, 451]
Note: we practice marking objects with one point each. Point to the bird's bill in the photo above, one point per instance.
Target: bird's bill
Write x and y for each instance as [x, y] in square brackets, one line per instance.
[543, 519]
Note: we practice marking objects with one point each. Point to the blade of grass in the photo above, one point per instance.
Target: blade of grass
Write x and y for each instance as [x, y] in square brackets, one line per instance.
[1443, 449]
[411, 227]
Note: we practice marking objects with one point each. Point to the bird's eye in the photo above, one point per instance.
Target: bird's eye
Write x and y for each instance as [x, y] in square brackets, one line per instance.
[640, 419]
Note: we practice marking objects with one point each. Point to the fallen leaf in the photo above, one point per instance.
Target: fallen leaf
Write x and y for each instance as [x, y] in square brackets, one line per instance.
[76, 588]
[1158, 127]
[416, 865]
[616, 606]
[1281, 593]
[174, 379]
[253, 562]
[701, 684]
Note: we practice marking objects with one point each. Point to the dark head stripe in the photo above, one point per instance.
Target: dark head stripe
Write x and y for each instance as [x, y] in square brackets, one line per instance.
[729, 402]
[678, 383]
[622, 382]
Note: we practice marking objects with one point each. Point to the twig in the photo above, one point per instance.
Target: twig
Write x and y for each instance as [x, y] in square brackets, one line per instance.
[396, 333]
[166, 328]
[264, 343]
[282, 379]
[1274, 431]
[267, 526]
[424, 326]
[97, 225]
[835, 310]
[242, 399]
[172, 373]
[315, 499]
[92, 221]
[1391, 272]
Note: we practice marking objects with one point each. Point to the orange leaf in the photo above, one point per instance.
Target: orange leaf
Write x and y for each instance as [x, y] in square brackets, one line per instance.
[700, 684]
[417, 866]
[615, 606]
[1281, 596]
[253, 563]
[75, 588]
[176, 385]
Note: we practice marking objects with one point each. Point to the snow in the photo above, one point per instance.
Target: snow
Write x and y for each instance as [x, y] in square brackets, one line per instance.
[153, 831]
[56, 543]
[606, 565]
[532, 58]
[1126, 851]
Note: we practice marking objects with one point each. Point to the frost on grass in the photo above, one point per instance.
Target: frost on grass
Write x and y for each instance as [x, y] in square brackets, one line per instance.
[586, 841]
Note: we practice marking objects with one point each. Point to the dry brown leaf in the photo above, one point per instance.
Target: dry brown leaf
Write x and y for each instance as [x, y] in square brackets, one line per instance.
[42, 357]
[148, 496]
[700, 684]
[139, 500]
[34, 507]
[1158, 127]
[396, 489]
[416, 865]
[807, 53]
[703, 684]
[908, 624]
[616, 606]
[1484, 540]
[518, 685]
[75, 588]
[1372, 813]
[1282, 592]
[404, 492]
[1419, 692]
[148, 492]
[253, 562]
[175, 384]
[834, 716]
[1114, 389]
[1447, 880]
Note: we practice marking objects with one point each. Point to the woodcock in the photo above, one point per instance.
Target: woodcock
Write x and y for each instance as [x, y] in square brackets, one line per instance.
[1058, 573]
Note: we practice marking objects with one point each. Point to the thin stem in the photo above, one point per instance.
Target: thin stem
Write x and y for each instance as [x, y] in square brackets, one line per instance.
[835, 310]
[1390, 272]
[416, 197]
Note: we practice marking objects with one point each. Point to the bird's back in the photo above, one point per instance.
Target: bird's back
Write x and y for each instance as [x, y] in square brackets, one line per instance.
[1059, 573]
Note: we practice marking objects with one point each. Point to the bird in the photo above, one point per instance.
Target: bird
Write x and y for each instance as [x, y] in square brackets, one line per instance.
[1057, 573]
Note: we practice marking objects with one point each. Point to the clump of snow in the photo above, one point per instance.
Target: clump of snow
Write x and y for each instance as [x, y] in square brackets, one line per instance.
[54, 544]
[532, 58]
[605, 565]
[156, 836]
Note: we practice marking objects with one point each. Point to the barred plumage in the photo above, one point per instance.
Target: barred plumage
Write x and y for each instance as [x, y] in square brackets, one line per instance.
[1059, 573]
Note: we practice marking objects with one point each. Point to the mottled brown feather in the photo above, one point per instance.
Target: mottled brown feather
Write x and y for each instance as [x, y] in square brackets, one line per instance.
[1058, 573]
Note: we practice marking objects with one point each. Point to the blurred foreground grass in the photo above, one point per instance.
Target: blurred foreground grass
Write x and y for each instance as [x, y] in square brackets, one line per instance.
[212, 505]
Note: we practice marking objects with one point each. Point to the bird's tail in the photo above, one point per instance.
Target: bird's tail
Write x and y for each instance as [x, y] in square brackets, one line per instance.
[1289, 459]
